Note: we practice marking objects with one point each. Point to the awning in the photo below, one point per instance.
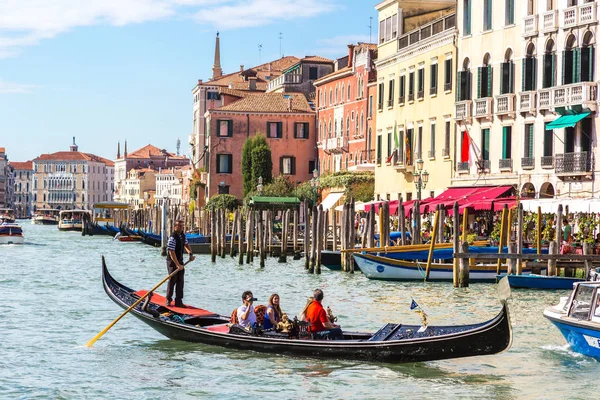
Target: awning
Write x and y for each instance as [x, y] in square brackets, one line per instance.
[358, 206]
[475, 197]
[565, 121]
[331, 199]
[267, 201]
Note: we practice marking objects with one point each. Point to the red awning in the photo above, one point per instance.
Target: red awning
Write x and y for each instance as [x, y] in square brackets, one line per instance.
[478, 198]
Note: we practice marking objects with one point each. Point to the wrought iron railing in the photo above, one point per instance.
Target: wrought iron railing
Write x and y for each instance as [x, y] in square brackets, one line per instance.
[527, 162]
[462, 166]
[506, 163]
[572, 162]
[547, 162]
[401, 100]
[445, 152]
[431, 154]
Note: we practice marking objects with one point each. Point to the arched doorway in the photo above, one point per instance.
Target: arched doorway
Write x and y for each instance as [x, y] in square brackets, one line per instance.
[528, 191]
[547, 191]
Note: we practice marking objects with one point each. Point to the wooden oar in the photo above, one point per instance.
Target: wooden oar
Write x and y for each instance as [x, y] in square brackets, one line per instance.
[98, 336]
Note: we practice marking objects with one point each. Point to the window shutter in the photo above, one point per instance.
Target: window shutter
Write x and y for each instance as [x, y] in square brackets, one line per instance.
[468, 18]
[489, 81]
[469, 79]
[564, 62]
[281, 165]
[576, 65]
[459, 79]
[531, 140]
[293, 165]
[504, 142]
[479, 73]
[533, 73]
[503, 78]
[230, 163]
[524, 74]
[230, 128]
[511, 77]
[591, 64]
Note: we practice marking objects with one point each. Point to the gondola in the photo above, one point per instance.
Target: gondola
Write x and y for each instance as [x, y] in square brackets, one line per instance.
[393, 343]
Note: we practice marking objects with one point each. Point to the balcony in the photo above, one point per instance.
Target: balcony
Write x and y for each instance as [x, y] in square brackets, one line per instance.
[463, 110]
[550, 21]
[420, 94]
[462, 167]
[530, 26]
[547, 162]
[505, 104]
[368, 155]
[483, 165]
[587, 14]
[483, 108]
[390, 103]
[336, 144]
[527, 102]
[569, 17]
[505, 164]
[545, 96]
[401, 100]
[527, 162]
[426, 31]
[582, 93]
[432, 91]
[411, 97]
[203, 177]
[399, 158]
[569, 165]
[283, 80]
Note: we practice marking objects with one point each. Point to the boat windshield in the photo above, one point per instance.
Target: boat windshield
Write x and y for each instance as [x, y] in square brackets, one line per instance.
[582, 302]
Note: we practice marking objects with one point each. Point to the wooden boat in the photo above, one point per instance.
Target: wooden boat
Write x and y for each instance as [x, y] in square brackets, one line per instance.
[7, 215]
[394, 343]
[72, 220]
[46, 216]
[535, 281]
[11, 234]
[386, 268]
[578, 318]
[130, 238]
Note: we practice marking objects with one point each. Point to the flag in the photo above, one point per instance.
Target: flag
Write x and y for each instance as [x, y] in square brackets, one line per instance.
[408, 160]
[396, 144]
[468, 151]
[413, 304]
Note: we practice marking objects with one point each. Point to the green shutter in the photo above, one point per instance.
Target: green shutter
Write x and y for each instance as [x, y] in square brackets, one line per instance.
[458, 85]
[293, 166]
[591, 64]
[533, 73]
[468, 85]
[468, 17]
[511, 77]
[489, 81]
[504, 142]
[503, 71]
[576, 65]
[524, 74]
[479, 73]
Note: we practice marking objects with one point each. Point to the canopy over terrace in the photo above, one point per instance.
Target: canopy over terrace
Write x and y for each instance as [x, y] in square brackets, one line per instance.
[394, 204]
[478, 198]
[269, 203]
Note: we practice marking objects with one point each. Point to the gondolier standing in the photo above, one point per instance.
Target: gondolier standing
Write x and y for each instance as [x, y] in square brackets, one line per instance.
[175, 246]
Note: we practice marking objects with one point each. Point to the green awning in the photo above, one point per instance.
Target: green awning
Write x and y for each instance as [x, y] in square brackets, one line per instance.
[565, 121]
[264, 200]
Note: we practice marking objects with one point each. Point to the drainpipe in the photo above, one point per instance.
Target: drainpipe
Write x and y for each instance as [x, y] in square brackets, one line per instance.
[247, 125]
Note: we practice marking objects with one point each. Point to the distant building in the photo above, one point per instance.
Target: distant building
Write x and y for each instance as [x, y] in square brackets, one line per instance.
[135, 187]
[4, 178]
[170, 181]
[23, 185]
[71, 179]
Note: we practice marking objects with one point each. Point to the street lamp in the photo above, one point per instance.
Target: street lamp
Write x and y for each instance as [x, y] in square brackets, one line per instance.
[259, 187]
[314, 183]
[420, 178]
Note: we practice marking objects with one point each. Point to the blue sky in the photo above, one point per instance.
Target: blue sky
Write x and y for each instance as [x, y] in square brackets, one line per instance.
[109, 70]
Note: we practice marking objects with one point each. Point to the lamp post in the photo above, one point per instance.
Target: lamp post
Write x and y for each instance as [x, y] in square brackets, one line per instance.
[314, 183]
[420, 177]
[164, 234]
[260, 186]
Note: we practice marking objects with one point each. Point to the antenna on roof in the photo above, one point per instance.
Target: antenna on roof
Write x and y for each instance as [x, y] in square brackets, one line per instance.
[259, 54]
[280, 48]
[178, 145]
[370, 28]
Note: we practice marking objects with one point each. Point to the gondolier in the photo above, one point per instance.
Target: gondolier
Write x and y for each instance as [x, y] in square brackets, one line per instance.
[175, 246]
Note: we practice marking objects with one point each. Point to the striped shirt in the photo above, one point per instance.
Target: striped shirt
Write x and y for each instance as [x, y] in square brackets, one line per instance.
[171, 243]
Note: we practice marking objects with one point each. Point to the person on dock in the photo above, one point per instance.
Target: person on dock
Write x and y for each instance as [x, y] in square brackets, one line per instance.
[175, 246]
[245, 313]
[320, 325]
[274, 313]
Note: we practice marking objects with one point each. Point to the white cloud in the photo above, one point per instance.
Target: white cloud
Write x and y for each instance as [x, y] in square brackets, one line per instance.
[27, 22]
[9, 87]
[338, 45]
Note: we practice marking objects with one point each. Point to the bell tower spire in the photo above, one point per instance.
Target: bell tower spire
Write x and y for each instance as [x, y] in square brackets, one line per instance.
[118, 150]
[217, 71]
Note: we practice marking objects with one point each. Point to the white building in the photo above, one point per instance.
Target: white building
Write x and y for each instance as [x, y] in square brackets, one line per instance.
[23, 188]
[169, 181]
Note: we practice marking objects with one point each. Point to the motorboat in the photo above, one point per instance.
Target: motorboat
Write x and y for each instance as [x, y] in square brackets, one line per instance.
[11, 233]
[46, 216]
[72, 220]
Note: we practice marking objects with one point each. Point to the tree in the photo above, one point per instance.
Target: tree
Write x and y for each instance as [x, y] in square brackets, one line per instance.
[220, 201]
[263, 166]
[247, 166]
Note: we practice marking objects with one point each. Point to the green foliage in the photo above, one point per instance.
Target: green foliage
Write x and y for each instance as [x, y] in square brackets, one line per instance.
[221, 201]
[304, 191]
[586, 224]
[247, 166]
[196, 183]
[471, 238]
[249, 169]
[345, 179]
[262, 164]
[361, 191]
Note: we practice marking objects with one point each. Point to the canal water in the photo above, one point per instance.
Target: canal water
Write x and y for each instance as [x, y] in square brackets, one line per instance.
[53, 303]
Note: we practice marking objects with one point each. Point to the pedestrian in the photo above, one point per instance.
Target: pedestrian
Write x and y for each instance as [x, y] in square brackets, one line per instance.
[175, 246]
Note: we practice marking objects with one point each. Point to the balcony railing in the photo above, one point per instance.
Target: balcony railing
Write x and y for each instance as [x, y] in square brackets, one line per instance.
[399, 159]
[463, 110]
[368, 155]
[380, 106]
[411, 97]
[447, 86]
[420, 94]
[336, 144]
[547, 161]
[505, 164]
[527, 162]
[545, 99]
[390, 103]
[432, 90]
[431, 153]
[527, 102]
[485, 165]
[462, 166]
[569, 17]
[401, 100]
[572, 163]
[285, 79]
[550, 21]
[530, 26]
[426, 31]
[445, 152]
[483, 107]
[505, 104]
[587, 13]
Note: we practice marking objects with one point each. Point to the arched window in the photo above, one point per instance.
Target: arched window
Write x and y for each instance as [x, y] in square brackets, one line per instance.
[507, 72]
[349, 92]
[571, 54]
[348, 126]
[549, 65]
[529, 69]
[329, 135]
[362, 123]
[330, 97]
[342, 93]
[587, 57]
[484, 86]
[464, 82]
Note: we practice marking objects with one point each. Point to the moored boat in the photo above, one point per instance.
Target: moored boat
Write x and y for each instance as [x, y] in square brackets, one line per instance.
[395, 343]
[46, 216]
[578, 318]
[11, 234]
[536, 281]
[72, 220]
[7, 215]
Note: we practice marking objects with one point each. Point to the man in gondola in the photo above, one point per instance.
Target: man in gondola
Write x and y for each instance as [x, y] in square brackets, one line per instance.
[320, 325]
[175, 246]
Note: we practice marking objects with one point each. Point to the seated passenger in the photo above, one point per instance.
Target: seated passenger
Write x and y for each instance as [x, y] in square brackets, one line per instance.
[245, 313]
[274, 313]
[321, 327]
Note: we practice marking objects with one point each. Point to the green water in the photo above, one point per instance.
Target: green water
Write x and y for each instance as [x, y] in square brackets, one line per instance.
[53, 303]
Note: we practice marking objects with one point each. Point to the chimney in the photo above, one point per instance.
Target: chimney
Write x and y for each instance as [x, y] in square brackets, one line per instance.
[241, 67]
[289, 103]
[199, 81]
[118, 150]
[252, 83]
[350, 55]
[125, 152]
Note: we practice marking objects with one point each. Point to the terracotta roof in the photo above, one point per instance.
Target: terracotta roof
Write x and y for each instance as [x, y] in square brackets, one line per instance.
[26, 165]
[73, 156]
[318, 59]
[263, 73]
[329, 77]
[150, 151]
[270, 102]
[233, 92]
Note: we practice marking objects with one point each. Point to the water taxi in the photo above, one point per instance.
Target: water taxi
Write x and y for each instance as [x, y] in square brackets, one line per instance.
[104, 212]
[7, 215]
[46, 216]
[72, 220]
[11, 233]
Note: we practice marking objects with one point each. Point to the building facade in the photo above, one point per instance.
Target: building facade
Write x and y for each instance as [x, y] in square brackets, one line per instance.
[526, 101]
[5, 179]
[170, 181]
[137, 187]
[345, 112]
[23, 193]
[71, 180]
[415, 98]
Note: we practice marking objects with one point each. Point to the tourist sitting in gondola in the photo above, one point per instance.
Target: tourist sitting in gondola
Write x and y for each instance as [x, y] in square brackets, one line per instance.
[245, 313]
[320, 325]
[274, 313]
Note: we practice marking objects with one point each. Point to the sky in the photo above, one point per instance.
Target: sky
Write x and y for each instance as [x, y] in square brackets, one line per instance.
[106, 71]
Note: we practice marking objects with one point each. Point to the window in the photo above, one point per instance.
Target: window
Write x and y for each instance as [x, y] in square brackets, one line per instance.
[447, 139]
[467, 17]
[528, 145]
[433, 76]
[224, 163]
[448, 74]
[485, 144]
[213, 96]
[509, 17]
[275, 130]
[223, 188]
[388, 28]
[506, 142]
[370, 106]
[409, 147]
[394, 26]
[225, 128]
[348, 126]
[420, 143]
[586, 62]
[301, 130]
[379, 149]
[389, 144]
[421, 83]
[381, 31]
[349, 91]
[549, 77]
[528, 73]
[380, 103]
[391, 94]
[548, 142]
[487, 15]
[287, 165]
[311, 166]
[507, 72]
[401, 89]
[484, 89]
[313, 73]
[432, 141]
[411, 86]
